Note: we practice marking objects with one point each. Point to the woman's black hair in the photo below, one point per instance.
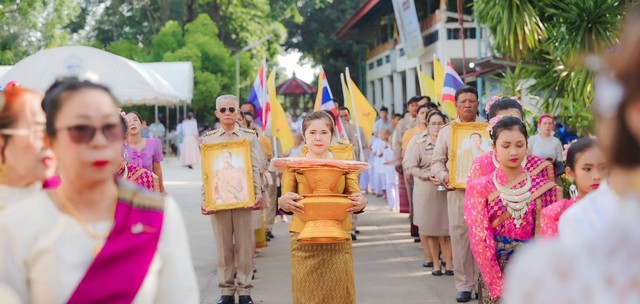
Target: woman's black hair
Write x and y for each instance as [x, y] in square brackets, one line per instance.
[137, 114]
[576, 148]
[55, 95]
[333, 117]
[504, 104]
[508, 123]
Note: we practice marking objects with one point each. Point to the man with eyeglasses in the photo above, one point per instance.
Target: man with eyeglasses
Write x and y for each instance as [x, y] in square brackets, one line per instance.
[233, 228]
[464, 266]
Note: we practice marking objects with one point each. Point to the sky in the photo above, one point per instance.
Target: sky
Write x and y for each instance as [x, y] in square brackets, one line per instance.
[289, 61]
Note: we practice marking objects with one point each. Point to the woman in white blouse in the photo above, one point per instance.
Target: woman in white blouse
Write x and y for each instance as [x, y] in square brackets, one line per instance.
[93, 239]
[544, 144]
[25, 162]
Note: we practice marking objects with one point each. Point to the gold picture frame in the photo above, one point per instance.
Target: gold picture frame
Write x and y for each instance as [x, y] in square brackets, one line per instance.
[227, 175]
[339, 151]
[465, 147]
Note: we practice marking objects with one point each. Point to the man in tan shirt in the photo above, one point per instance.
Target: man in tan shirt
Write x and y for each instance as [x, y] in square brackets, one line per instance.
[464, 266]
[233, 229]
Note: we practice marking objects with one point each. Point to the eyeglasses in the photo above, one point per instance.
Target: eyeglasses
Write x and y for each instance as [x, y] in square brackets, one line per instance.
[224, 110]
[35, 132]
[84, 134]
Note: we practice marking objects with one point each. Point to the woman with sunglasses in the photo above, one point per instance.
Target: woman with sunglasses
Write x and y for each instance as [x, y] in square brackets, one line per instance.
[93, 239]
[142, 152]
[25, 162]
[190, 144]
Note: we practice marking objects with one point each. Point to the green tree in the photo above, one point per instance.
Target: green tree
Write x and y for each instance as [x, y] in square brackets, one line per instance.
[550, 41]
[314, 35]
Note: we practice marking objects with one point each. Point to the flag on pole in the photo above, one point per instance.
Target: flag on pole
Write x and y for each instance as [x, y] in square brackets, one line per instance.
[364, 113]
[280, 128]
[257, 95]
[438, 77]
[324, 101]
[427, 85]
[452, 82]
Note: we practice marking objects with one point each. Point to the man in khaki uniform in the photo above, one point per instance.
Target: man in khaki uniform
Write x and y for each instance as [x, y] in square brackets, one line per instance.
[403, 126]
[233, 229]
[352, 134]
[464, 266]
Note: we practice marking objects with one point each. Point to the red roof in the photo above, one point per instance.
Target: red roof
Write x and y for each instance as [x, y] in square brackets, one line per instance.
[363, 10]
[295, 86]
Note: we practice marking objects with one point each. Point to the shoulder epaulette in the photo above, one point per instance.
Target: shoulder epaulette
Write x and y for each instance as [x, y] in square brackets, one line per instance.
[248, 130]
[211, 132]
[139, 198]
[421, 140]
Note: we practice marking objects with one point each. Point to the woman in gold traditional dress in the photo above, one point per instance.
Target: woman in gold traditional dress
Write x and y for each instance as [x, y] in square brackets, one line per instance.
[320, 273]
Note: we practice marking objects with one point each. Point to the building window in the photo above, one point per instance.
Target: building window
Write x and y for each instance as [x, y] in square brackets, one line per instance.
[379, 62]
[387, 59]
[370, 65]
[401, 52]
[430, 39]
[456, 33]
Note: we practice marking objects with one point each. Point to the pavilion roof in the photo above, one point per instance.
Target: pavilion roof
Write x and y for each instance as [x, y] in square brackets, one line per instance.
[295, 86]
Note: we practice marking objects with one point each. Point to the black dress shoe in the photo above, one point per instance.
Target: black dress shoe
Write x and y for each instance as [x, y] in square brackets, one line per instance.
[270, 235]
[226, 300]
[353, 237]
[356, 231]
[245, 300]
[463, 297]
[427, 264]
[416, 240]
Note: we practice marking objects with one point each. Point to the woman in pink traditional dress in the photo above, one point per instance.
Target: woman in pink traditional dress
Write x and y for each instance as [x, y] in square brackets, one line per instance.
[486, 164]
[502, 209]
[586, 167]
[142, 152]
[93, 239]
[25, 161]
[138, 176]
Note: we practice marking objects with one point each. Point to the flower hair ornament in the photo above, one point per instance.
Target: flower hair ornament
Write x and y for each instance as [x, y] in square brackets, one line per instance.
[495, 99]
[493, 122]
[3, 99]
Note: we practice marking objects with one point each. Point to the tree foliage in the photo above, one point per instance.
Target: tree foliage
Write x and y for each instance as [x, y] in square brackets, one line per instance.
[315, 37]
[550, 41]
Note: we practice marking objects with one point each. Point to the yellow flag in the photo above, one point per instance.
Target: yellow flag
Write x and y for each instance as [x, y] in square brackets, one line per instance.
[427, 86]
[346, 95]
[318, 105]
[363, 112]
[438, 77]
[279, 126]
[449, 109]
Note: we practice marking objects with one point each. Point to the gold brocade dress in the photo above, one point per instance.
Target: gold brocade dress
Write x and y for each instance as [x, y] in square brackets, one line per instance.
[320, 273]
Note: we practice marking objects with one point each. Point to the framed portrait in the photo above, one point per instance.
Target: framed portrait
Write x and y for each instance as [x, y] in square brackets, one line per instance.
[340, 151]
[227, 175]
[468, 141]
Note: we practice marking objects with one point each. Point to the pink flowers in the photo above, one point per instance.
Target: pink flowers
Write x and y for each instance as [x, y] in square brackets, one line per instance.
[495, 99]
[492, 123]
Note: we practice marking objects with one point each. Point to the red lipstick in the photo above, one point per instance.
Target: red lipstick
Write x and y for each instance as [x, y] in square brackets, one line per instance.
[100, 163]
[514, 160]
[595, 186]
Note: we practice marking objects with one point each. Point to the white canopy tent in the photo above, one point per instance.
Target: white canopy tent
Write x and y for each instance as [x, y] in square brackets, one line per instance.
[130, 82]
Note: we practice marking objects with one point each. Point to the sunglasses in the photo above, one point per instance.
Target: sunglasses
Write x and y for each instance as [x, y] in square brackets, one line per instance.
[224, 110]
[84, 134]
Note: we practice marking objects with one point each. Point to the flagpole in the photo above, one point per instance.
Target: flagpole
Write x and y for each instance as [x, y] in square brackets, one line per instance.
[420, 79]
[273, 134]
[353, 104]
[264, 95]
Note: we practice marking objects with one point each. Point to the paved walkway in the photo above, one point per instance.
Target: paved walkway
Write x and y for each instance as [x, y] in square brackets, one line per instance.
[387, 262]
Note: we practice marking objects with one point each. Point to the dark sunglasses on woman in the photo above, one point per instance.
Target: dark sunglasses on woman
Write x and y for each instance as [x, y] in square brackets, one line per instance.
[83, 134]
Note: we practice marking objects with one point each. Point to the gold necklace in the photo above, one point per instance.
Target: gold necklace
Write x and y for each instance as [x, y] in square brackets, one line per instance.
[99, 237]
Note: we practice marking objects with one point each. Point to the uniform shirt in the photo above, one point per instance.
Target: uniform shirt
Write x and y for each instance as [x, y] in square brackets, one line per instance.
[402, 127]
[258, 161]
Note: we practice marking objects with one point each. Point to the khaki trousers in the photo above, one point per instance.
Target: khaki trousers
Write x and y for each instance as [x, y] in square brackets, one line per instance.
[272, 190]
[464, 266]
[234, 244]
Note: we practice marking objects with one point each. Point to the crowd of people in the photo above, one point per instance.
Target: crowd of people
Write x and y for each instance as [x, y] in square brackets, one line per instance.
[82, 197]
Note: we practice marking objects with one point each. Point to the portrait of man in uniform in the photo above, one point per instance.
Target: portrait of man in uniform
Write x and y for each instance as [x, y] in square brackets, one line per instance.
[230, 182]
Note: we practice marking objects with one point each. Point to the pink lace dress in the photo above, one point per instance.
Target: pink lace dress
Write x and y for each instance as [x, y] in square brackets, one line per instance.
[139, 176]
[483, 165]
[551, 216]
[493, 233]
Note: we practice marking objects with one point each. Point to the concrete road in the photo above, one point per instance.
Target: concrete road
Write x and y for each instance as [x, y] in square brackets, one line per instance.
[388, 264]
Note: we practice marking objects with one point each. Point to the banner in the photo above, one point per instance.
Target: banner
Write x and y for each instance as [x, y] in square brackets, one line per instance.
[409, 27]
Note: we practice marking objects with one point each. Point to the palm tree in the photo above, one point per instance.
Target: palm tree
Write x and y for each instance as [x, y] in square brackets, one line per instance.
[550, 41]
